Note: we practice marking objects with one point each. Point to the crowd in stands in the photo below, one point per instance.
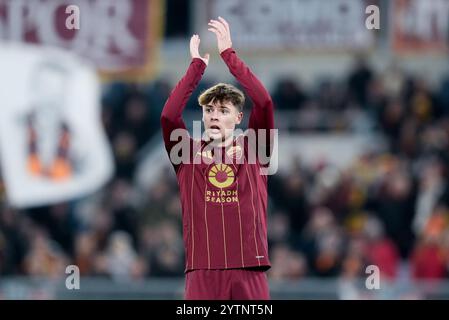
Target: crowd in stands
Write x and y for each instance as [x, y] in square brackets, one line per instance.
[389, 209]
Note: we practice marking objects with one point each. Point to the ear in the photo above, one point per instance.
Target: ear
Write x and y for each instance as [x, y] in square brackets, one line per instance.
[239, 117]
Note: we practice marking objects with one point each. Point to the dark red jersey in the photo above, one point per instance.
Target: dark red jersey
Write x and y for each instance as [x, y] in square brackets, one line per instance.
[224, 197]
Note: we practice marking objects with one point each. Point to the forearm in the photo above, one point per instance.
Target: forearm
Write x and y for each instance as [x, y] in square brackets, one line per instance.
[180, 95]
[171, 117]
[262, 115]
[252, 85]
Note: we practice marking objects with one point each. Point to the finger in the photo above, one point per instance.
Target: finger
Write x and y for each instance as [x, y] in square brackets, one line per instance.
[217, 33]
[219, 26]
[206, 56]
[215, 26]
[194, 46]
[225, 23]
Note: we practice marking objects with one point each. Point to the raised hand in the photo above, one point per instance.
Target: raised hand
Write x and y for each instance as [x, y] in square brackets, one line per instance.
[195, 49]
[221, 29]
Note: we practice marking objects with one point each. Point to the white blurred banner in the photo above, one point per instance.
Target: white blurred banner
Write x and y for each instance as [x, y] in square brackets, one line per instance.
[52, 144]
[291, 24]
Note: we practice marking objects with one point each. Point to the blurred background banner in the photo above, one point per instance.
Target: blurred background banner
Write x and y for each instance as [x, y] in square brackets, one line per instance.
[420, 25]
[52, 145]
[291, 24]
[119, 37]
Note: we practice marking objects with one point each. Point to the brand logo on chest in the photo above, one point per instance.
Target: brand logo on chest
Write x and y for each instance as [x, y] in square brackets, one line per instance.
[221, 175]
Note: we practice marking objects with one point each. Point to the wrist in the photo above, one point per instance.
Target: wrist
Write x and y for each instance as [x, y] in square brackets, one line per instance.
[227, 50]
[198, 60]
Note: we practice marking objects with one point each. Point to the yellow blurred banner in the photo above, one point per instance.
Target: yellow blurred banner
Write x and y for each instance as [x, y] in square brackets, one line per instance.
[420, 25]
[119, 37]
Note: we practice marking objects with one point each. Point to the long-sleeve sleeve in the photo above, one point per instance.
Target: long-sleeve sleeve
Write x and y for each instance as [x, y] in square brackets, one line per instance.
[171, 117]
[262, 113]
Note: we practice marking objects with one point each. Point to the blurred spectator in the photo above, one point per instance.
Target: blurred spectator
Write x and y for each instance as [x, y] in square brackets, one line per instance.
[380, 250]
[395, 208]
[431, 190]
[137, 119]
[288, 95]
[420, 100]
[393, 80]
[391, 120]
[167, 260]
[323, 243]
[122, 260]
[157, 93]
[44, 257]
[58, 221]
[287, 264]
[85, 251]
[278, 228]
[443, 96]
[121, 207]
[427, 259]
[387, 208]
[124, 147]
[12, 243]
[359, 80]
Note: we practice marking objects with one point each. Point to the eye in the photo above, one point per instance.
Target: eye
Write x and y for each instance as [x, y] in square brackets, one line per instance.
[224, 111]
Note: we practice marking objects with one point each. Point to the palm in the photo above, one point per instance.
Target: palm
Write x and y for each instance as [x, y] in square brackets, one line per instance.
[194, 49]
[221, 29]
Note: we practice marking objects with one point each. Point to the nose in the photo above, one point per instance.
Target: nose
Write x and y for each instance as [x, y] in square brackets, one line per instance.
[214, 115]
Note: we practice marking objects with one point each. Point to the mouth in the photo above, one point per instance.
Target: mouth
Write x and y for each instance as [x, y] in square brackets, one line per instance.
[214, 129]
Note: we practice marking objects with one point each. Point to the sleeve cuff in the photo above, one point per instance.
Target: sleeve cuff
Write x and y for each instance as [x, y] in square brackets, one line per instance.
[199, 61]
[227, 52]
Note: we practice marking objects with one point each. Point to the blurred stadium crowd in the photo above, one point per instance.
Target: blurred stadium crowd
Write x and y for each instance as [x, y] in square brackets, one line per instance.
[389, 208]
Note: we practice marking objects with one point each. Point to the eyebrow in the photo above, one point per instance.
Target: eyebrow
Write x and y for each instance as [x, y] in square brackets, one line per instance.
[220, 106]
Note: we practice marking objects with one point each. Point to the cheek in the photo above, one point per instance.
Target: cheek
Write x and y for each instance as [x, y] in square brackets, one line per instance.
[229, 121]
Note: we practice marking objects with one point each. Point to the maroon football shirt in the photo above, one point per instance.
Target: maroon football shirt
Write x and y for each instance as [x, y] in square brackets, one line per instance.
[224, 198]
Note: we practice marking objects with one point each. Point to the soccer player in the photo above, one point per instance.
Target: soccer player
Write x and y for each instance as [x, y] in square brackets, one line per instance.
[223, 193]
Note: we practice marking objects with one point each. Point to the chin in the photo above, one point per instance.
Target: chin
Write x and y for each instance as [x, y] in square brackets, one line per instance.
[216, 137]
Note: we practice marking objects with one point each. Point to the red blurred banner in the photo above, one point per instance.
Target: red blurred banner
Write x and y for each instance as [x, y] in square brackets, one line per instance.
[118, 36]
[420, 25]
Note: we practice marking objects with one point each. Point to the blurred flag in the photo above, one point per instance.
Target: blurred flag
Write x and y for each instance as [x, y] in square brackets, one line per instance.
[52, 144]
[420, 25]
[291, 24]
[119, 37]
